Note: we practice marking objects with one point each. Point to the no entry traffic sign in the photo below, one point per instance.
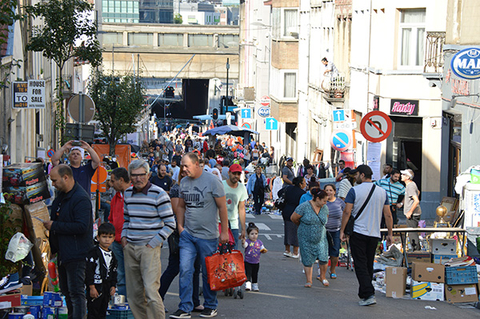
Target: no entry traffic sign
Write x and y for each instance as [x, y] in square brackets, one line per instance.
[376, 126]
[341, 140]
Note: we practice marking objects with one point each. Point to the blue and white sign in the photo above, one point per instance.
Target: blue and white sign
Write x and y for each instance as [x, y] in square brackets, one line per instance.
[264, 111]
[271, 124]
[338, 115]
[466, 64]
[341, 140]
[246, 113]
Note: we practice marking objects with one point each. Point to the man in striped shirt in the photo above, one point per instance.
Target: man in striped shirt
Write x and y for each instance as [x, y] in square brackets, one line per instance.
[395, 193]
[148, 222]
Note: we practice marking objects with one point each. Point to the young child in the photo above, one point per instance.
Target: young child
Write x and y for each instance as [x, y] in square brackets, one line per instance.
[101, 273]
[253, 248]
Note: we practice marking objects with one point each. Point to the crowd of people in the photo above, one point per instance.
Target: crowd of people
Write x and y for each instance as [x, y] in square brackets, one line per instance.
[194, 197]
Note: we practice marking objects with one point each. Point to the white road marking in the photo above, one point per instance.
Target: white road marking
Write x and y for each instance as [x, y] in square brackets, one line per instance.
[273, 216]
[269, 236]
[262, 226]
[249, 216]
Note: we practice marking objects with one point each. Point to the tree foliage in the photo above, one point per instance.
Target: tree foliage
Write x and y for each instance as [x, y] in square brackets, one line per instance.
[119, 104]
[67, 31]
[178, 19]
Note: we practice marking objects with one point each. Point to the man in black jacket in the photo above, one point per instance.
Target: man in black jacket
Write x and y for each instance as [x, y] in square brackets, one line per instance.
[71, 232]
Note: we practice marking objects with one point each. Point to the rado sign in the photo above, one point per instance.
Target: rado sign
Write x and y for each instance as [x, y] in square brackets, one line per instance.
[404, 107]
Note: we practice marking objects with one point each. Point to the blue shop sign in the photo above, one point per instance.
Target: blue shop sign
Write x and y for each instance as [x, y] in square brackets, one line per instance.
[466, 64]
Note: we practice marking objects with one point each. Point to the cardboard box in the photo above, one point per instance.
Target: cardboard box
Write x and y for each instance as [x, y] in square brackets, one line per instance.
[442, 258]
[10, 301]
[443, 246]
[35, 226]
[428, 272]
[27, 194]
[419, 256]
[26, 290]
[427, 290]
[23, 174]
[395, 279]
[461, 293]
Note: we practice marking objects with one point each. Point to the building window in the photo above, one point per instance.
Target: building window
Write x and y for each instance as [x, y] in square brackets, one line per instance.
[290, 85]
[141, 39]
[290, 23]
[227, 40]
[412, 33]
[112, 38]
[200, 40]
[170, 39]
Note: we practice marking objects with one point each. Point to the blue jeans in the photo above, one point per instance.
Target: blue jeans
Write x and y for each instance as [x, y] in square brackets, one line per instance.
[118, 251]
[172, 271]
[190, 248]
[235, 236]
[72, 283]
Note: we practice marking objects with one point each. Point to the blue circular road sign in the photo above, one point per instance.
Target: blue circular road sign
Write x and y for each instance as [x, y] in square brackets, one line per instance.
[341, 140]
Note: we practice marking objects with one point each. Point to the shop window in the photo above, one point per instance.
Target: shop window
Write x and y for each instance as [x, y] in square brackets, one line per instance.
[412, 36]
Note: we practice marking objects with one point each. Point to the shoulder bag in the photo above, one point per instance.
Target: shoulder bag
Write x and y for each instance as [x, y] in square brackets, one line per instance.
[351, 221]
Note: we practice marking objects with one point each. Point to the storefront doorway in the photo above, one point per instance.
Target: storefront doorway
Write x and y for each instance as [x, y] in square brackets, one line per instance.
[404, 145]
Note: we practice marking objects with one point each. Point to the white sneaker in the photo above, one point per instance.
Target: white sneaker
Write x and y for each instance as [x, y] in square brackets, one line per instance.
[368, 301]
[248, 286]
[287, 254]
[255, 287]
[296, 256]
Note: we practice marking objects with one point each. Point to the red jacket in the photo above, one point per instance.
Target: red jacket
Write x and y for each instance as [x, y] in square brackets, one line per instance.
[116, 215]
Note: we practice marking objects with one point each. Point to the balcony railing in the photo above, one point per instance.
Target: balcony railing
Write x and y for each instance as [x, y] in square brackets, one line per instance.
[434, 52]
[334, 88]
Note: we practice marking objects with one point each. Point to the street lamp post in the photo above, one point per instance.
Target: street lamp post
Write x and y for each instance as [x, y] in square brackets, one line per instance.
[226, 95]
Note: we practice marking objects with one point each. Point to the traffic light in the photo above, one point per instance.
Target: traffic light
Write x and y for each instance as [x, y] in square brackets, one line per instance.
[215, 114]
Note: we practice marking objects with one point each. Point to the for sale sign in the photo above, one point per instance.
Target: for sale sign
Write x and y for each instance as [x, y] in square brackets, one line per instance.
[20, 95]
[36, 94]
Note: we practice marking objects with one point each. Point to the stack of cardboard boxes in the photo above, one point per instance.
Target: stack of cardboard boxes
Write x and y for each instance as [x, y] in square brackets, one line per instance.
[437, 281]
[25, 183]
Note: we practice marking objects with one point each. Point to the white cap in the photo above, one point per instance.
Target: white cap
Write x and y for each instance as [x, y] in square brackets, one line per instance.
[78, 148]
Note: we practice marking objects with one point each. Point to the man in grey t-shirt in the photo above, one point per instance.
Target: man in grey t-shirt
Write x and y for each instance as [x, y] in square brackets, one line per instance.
[412, 206]
[287, 173]
[202, 200]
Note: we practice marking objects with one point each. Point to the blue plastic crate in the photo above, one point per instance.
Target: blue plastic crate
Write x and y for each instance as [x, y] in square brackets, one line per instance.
[32, 301]
[119, 314]
[461, 275]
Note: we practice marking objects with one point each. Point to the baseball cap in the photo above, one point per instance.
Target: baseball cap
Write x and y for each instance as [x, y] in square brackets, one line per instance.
[289, 159]
[235, 168]
[365, 169]
[408, 172]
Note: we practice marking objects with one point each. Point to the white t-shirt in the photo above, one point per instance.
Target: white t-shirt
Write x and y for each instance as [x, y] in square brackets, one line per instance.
[233, 197]
[368, 223]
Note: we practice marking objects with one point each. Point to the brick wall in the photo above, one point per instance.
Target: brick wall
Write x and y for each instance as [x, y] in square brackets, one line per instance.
[285, 54]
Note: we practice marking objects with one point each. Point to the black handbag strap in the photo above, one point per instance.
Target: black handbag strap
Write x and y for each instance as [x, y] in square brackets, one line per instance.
[365, 203]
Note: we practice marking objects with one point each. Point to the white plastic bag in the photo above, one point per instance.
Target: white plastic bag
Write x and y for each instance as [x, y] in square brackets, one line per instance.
[18, 248]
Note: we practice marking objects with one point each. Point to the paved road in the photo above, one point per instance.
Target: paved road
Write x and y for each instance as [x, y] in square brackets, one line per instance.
[282, 294]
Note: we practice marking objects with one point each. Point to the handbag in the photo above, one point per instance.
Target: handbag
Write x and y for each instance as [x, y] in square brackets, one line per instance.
[351, 221]
[280, 202]
[225, 268]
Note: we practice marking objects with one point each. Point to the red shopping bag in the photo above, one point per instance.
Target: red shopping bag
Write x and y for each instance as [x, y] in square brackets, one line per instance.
[231, 239]
[225, 269]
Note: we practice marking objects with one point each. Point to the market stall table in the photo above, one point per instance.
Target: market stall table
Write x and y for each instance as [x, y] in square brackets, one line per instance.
[403, 231]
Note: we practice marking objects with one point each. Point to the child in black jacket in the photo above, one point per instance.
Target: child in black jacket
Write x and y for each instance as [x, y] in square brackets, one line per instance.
[101, 273]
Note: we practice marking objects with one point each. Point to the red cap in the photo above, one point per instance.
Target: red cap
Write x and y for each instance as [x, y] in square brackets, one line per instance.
[235, 168]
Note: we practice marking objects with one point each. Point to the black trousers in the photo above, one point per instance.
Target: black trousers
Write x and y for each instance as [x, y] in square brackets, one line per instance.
[363, 253]
[97, 308]
[258, 198]
[251, 270]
